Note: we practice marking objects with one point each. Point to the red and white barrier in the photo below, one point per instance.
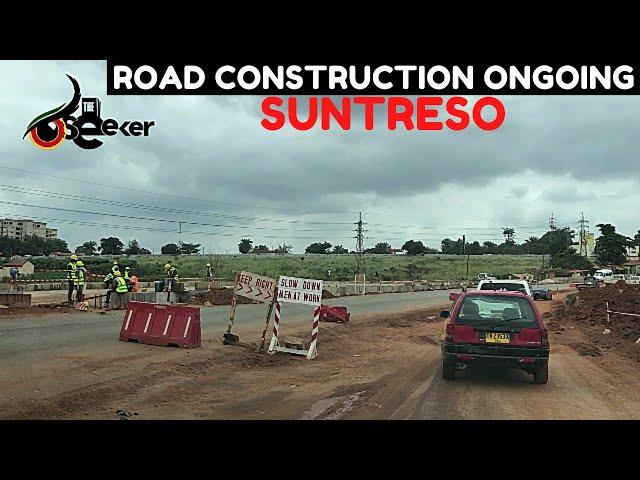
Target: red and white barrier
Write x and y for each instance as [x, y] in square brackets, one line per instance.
[274, 346]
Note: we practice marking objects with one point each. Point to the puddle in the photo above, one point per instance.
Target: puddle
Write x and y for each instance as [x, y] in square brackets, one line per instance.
[321, 406]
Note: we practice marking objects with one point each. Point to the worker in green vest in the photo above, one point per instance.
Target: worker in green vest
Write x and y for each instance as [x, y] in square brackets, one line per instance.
[108, 281]
[119, 286]
[80, 280]
[71, 276]
[115, 268]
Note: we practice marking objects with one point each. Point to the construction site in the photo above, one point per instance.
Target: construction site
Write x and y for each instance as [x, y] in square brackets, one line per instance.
[213, 268]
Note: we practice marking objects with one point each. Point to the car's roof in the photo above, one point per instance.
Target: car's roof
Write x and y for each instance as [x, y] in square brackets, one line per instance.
[501, 293]
[504, 281]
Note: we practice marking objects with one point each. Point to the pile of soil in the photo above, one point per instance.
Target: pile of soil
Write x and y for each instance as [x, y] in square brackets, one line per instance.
[327, 294]
[35, 310]
[218, 296]
[590, 312]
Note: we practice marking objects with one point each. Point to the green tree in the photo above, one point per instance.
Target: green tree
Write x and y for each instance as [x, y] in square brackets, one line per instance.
[489, 247]
[261, 249]
[451, 247]
[556, 241]
[611, 247]
[111, 246]
[245, 245]
[133, 248]
[570, 260]
[170, 249]
[473, 248]
[317, 247]
[509, 235]
[188, 248]
[339, 249]
[380, 248]
[413, 247]
[88, 248]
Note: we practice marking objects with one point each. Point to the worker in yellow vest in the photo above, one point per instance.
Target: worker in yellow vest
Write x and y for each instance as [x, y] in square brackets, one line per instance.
[80, 280]
[119, 286]
[71, 277]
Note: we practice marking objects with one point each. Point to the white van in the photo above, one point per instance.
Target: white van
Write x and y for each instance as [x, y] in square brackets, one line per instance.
[508, 285]
[602, 274]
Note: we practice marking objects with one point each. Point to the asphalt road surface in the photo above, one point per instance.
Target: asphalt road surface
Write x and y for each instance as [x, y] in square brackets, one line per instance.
[40, 358]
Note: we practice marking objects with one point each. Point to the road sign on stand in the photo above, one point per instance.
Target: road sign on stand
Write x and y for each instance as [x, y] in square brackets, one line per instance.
[255, 287]
[297, 290]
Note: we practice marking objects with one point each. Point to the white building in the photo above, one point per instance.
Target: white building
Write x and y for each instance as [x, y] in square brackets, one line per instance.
[20, 228]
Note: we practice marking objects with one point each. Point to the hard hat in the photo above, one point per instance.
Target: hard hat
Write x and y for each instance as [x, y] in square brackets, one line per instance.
[80, 263]
[74, 257]
[167, 266]
[208, 264]
[127, 268]
[118, 274]
[115, 262]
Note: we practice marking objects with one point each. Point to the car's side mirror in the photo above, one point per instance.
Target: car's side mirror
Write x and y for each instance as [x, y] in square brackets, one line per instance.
[444, 314]
[453, 296]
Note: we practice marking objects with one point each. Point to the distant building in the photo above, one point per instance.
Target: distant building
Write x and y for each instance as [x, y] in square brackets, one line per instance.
[24, 266]
[21, 228]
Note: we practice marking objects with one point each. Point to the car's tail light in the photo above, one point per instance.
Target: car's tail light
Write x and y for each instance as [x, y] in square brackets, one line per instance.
[544, 337]
[448, 336]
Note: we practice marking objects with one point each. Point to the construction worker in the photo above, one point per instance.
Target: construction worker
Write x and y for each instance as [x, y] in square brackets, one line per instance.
[71, 276]
[209, 272]
[80, 280]
[14, 278]
[209, 276]
[119, 286]
[126, 277]
[108, 280]
[172, 275]
[115, 268]
[134, 284]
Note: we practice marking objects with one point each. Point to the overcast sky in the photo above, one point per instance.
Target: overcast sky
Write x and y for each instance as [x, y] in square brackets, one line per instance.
[211, 157]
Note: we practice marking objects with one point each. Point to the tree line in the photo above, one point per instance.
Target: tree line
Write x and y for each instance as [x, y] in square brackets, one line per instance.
[559, 243]
[115, 246]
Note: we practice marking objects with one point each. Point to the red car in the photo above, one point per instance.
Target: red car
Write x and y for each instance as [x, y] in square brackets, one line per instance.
[495, 328]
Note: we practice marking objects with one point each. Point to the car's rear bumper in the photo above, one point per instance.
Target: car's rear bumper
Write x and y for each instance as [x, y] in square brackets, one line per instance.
[521, 357]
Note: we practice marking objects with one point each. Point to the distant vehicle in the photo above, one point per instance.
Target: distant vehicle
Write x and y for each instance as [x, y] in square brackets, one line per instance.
[590, 280]
[508, 285]
[540, 292]
[489, 329]
[485, 276]
[602, 274]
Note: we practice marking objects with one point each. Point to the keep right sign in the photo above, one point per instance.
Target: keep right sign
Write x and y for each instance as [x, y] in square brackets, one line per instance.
[300, 290]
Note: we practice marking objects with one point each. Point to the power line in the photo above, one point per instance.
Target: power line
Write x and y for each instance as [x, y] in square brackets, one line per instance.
[147, 192]
[101, 201]
[157, 219]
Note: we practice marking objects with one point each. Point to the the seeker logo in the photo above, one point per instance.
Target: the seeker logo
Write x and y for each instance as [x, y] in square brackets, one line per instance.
[49, 130]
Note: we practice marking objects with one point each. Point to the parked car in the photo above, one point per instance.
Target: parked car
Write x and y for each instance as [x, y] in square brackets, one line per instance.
[602, 274]
[508, 285]
[540, 292]
[589, 280]
[486, 329]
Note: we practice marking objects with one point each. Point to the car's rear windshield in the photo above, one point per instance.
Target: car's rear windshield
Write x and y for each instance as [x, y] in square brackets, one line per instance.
[485, 310]
[509, 287]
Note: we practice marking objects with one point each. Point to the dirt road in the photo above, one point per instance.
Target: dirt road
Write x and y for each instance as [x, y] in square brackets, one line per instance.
[383, 366]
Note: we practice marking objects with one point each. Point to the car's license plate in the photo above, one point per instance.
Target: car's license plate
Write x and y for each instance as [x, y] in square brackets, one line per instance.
[495, 337]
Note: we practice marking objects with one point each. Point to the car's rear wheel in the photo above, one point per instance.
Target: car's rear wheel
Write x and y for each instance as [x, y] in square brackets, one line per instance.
[448, 371]
[541, 375]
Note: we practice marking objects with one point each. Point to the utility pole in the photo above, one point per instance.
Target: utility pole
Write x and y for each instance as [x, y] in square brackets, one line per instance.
[359, 230]
[583, 225]
[464, 240]
[180, 233]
